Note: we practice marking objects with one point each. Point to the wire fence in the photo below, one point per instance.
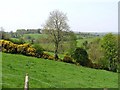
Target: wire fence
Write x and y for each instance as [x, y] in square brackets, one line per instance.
[30, 78]
[35, 79]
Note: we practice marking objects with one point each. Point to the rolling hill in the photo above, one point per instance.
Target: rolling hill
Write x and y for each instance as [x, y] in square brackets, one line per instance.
[52, 74]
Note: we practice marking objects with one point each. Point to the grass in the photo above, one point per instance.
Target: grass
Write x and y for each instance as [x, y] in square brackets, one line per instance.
[80, 41]
[36, 36]
[50, 46]
[52, 74]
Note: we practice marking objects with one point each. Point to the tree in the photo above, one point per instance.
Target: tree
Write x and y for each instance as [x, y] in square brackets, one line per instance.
[81, 56]
[72, 42]
[56, 26]
[3, 34]
[94, 51]
[110, 47]
[85, 44]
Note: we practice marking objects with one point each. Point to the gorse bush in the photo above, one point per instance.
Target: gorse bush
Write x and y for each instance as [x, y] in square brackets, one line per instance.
[68, 59]
[31, 51]
[10, 47]
[25, 49]
[51, 58]
[45, 55]
[22, 48]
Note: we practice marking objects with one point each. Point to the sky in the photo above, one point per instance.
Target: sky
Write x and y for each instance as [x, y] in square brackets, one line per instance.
[83, 15]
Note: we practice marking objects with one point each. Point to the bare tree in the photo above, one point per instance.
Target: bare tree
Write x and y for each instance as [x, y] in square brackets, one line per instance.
[56, 26]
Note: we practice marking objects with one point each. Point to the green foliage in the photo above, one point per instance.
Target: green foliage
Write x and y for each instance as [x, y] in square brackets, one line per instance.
[39, 49]
[72, 42]
[3, 34]
[104, 63]
[17, 41]
[85, 44]
[81, 56]
[81, 41]
[110, 47]
[95, 52]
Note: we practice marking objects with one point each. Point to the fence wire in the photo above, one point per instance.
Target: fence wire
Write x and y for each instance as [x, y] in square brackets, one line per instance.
[30, 78]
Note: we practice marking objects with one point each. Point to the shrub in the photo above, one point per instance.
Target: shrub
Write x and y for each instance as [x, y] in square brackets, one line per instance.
[96, 66]
[59, 59]
[51, 58]
[45, 55]
[104, 63]
[25, 49]
[81, 56]
[31, 51]
[39, 50]
[22, 48]
[89, 63]
[8, 46]
[68, 59]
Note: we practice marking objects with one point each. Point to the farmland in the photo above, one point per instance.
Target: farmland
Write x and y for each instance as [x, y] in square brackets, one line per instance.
[52, 74]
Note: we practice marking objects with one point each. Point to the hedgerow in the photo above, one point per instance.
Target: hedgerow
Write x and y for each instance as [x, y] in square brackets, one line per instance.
[25, 49]
[9, 47]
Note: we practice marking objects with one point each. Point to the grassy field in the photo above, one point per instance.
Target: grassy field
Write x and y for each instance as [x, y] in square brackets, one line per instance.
[49, 46]
[52, 74]
[36, 36]
[80, 41]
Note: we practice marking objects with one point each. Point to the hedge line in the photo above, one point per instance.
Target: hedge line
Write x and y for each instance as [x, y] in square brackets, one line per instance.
[27, 49]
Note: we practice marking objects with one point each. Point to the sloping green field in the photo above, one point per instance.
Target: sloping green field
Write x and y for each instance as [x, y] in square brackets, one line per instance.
[52, 74]
[35, 35]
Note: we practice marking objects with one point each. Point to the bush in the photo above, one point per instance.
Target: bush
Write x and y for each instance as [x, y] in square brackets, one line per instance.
[81, 56]
[22, 48]
[45, 55]
[96, 66]
[25, 49]
[104, 63]
[51, 58]
[68, 59]
[89, 63]
[8, 46]
[39, 50]
[31, 51]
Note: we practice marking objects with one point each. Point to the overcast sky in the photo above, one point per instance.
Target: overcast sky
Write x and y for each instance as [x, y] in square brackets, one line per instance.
[83, 15]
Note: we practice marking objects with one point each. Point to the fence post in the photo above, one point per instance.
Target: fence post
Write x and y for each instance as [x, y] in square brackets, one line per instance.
[105, 89]
[26, 82]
